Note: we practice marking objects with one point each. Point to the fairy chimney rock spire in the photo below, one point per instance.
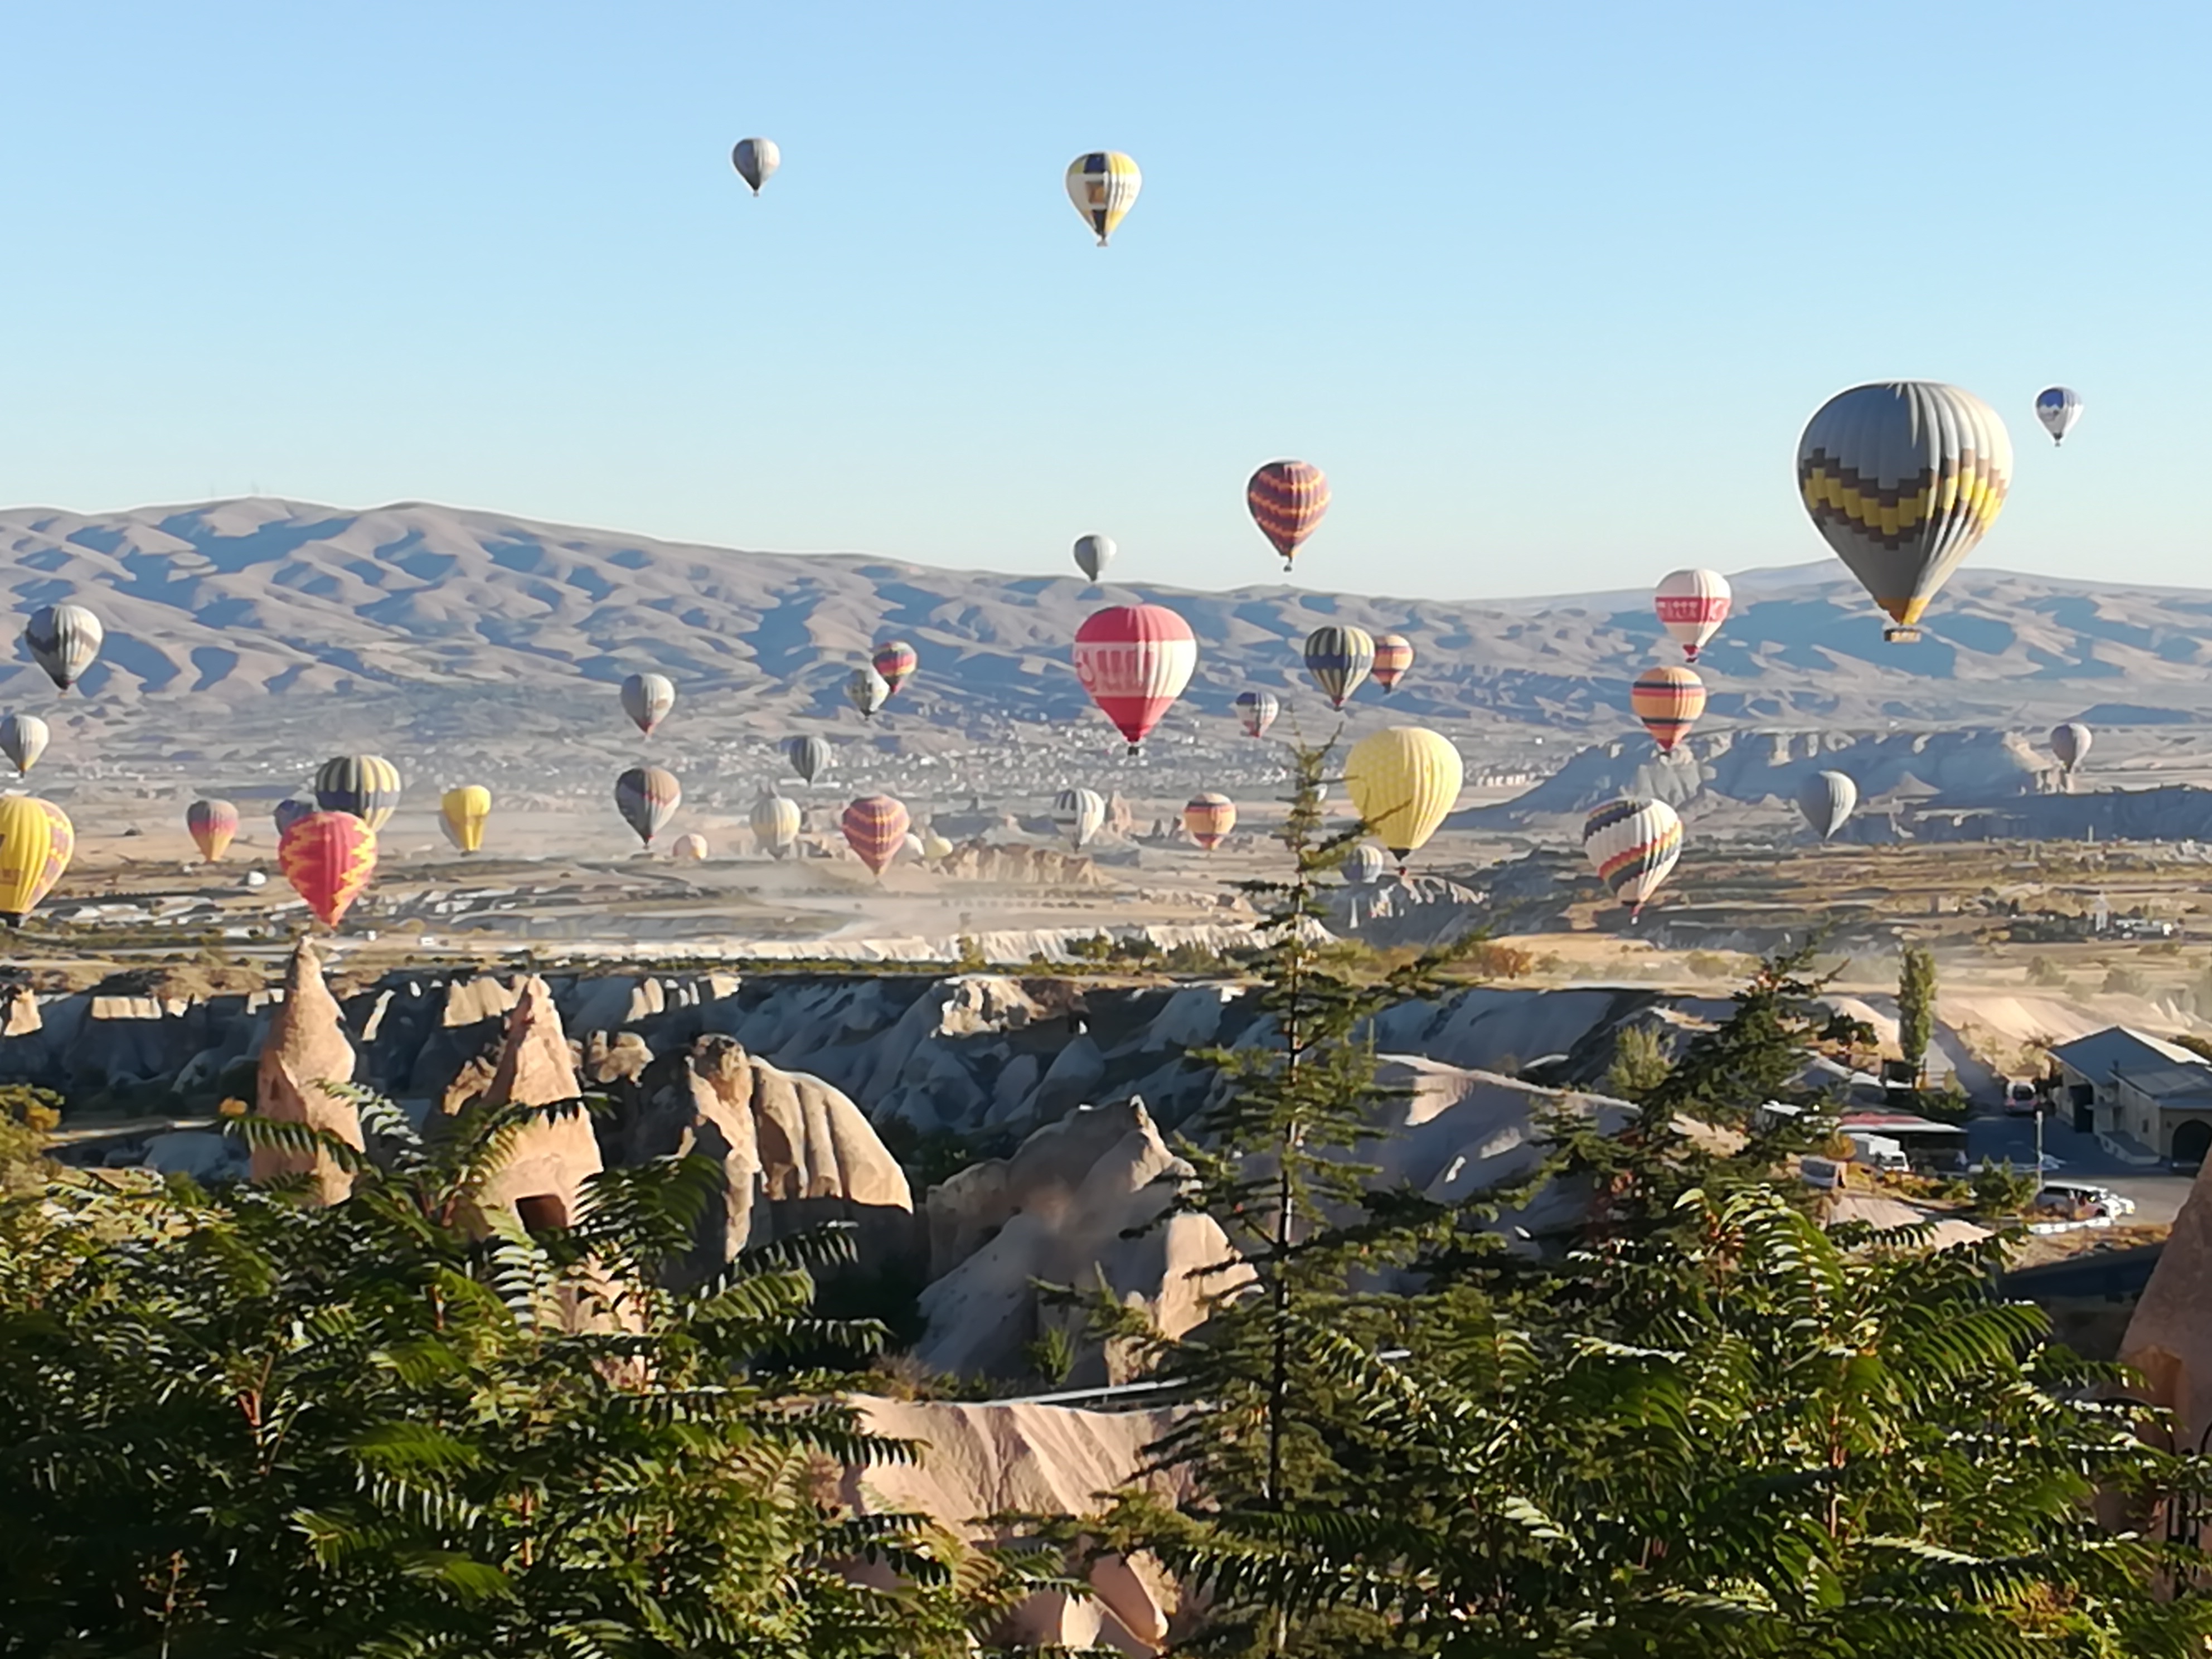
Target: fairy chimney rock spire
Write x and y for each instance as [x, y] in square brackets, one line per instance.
[306, 1047]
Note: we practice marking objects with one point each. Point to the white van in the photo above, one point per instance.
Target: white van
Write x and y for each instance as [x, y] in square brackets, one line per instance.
[1877, 1152]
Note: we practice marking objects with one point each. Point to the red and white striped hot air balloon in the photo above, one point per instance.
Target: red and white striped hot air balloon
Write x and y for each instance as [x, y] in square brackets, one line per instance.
[1393, 655]
[1668, 701]
[875, 828]
[1692, 605]
[1134, 660]
[1209, 818]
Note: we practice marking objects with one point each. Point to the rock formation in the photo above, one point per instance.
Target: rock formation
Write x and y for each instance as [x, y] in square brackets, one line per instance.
[306, 1048]
[979, 1461]
[2169, 1339]
[1057, 1211]
[557, 1152]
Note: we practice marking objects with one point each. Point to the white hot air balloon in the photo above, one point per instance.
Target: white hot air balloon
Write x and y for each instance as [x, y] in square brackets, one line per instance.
[1825, 800]
[1078, 814]
[646, 699]
[867, 691]
[63, 640]
[1093, 554]
[2058, 407]
[1366, 865]
[756, 161]
[776, 822]
[1692, 606]
[23, 739]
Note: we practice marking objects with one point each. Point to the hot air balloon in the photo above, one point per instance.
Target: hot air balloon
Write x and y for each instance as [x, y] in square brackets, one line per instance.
[36, 840]
[1209, 818]
[646, 699]
[809, 756]
[328, 857]
[462, 814]
[867, 691]
[1902, 479]
[775, 823]
[935, 848]
[1287, 500]
[1825, 800]
[2058, 407]
[64, 639]
[1078, 814]
[1134, 660]
[1668, 701]
[211, 824]
[911, 846]
[1393, 655]
[875, 828]
[289, 810]
[23, 739]
[896, 660]
[1403, 780]
[1093, 554]
[756, 161]
[1632, 845]
[689, 848]
[1692, 605]
[2070, 743]
[1338, 659]
[1103, 186]
[648, 798]
[367, 786]
[1256, 710]
[1366, 865]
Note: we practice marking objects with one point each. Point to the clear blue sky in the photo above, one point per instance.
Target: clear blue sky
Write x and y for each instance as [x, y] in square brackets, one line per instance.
[1549, 290]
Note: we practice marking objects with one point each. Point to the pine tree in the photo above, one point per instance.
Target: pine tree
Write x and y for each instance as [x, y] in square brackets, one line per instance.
[1915, 1006]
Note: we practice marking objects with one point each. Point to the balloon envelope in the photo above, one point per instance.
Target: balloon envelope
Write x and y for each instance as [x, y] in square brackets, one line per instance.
[1339, 659]
[289, 810]
[648, 796]
[691, 848]
[1134, 660]
[1692, 606]
[1403, 780]
[1393, 655]
[1093, 554]
[2070, 742]
[2058, 407]
[775, 821]
[756, 161]
[64, 639]
[36, 840]
[211, 824]
[1632, 845]
[462, 814]
[1367, 864]
[23, 739]
[1103, 186]
[1902, 478]
[328, 857]
[867, 691]
[896, 660]
[1209, 818]
[1287, 500]
[367, 786]
[1257, 710]
[875, 828]
[1078, 814]
[1825, 800]
[646, 699]
[1668, 701]
[809, 756]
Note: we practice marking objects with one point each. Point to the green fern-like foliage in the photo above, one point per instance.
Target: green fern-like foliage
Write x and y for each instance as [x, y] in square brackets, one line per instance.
[240, 1426]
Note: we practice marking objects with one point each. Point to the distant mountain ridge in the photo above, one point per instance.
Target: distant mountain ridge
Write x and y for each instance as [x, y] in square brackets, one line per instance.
[234, 602]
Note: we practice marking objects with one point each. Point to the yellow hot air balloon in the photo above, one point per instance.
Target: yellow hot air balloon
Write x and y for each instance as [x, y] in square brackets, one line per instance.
[463, 812]
[1403, 780]
[35, 842]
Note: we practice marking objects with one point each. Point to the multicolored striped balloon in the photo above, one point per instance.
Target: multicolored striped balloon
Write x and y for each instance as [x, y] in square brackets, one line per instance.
[211, 824]
[1257, 711]
[876, 828]
[1338, 659]
[896, 660]
[1692, 606]
[1209, 818]
[367, 786]
[328, 857]
[648, 796]
[1287, 500]
[1632, 845]
[1103, 186]
[1393, 655]
[1668, 700]
[1134, 660]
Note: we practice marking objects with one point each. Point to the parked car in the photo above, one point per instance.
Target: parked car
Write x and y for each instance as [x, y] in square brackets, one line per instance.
[2071, 1195]
[2021, 1101]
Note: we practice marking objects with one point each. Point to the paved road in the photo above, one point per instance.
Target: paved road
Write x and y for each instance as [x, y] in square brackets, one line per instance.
[2158, 1192]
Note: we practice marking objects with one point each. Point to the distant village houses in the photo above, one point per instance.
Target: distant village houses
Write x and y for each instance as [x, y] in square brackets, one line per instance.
[2150, 1098]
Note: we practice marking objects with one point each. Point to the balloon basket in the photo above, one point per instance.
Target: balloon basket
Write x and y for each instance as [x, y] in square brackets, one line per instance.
[1901, 636]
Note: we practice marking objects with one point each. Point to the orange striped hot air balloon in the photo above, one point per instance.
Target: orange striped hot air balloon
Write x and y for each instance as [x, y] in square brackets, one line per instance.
[1209, 818]
[875, 828]
[328, 857]
[1393, 655]
[1287, 499]
[211, 824]
[1668, 700]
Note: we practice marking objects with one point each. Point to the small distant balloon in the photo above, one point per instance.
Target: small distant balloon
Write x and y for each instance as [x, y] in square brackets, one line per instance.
[1632, 844]
[1668, 700]
[36, 842]
[1078, 814]
[1692, 606]
[646, 699]
[896, 660]
[648, 796]
[1825, 800]
[756, 161]
[328, 857]
[1366, 865]
[1103, 186]
[689, 848]
[2058, 407]
[875, 828]
[867, 691]
[462, 814]
[776, 822]
[1257, 711]
[809, 756]
[23, 739]
[211, 824]
[1393, 655]
[1208, 818]
[1338, 659]
[1093, 554]
[367, 786]
[2070, 742]
[64, 639]
[1287, 500]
